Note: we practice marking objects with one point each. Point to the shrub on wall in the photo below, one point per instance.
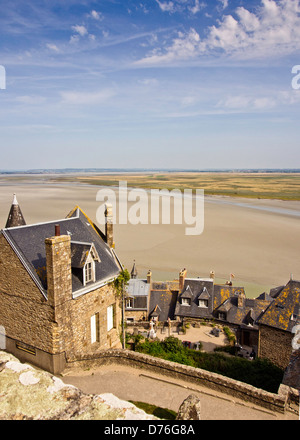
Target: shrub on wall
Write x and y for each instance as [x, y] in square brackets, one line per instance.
[260, 373]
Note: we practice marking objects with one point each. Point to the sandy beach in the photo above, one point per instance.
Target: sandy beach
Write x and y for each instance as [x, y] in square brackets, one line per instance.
[257, 240]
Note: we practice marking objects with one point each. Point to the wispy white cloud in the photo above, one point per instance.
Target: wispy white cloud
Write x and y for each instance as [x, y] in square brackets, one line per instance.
[224, 4]
[52, 47]
[80, 29]
[272, 31]
[87, 98]
[197, 7]
[96, 15]
[192, 6]
[166, 6]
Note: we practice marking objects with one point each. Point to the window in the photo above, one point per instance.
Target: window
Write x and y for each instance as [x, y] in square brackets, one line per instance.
[222, 315]
[89, 272]
[95, 328]
[186, 302]
[129, 303]
[110, 317]
[203, 303]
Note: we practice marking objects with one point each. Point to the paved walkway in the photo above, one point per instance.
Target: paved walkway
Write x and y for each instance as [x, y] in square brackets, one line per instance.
[133, 384]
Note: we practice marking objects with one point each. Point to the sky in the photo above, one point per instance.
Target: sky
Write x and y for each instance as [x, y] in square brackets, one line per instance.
[184, 84]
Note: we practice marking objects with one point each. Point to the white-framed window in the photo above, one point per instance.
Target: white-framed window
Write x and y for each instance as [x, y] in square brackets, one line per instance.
[129, 303]
[89, 272]
[186, 302]
[203, 303]
[95, 328]
[110, 317]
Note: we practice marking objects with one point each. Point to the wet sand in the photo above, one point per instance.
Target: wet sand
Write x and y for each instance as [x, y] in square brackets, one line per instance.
[256, 240]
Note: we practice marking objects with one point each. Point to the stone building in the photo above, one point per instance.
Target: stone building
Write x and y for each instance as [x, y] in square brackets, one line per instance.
[277, 323]
[57, 298]
[264, 323]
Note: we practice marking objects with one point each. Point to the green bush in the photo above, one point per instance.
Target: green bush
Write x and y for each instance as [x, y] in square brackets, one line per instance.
[260, 373]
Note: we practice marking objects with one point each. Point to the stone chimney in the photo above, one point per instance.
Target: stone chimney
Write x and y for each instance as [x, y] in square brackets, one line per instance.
[149, 275]
[241, 299]
[58, 266]
[182, 276]
[59, 292]
[109, 233]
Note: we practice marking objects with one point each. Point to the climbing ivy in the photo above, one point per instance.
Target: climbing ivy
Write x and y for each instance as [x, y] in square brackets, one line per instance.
[121, 281]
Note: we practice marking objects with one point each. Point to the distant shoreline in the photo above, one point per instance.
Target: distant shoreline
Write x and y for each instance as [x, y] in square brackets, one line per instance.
[271, 185]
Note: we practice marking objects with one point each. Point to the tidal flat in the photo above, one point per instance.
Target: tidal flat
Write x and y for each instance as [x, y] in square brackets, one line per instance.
[256, 239]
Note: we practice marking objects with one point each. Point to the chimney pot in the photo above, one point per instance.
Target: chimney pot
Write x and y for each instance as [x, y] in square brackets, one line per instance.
[57, 230]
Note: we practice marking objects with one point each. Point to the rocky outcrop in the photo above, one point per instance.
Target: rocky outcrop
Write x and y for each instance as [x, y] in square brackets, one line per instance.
[190, 409]
[27, 393]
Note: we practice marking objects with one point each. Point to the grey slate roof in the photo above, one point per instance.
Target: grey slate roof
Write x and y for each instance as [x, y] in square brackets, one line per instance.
[137, 287]
[29, 244]
[283, 311]
[195, 289]
[162, 304]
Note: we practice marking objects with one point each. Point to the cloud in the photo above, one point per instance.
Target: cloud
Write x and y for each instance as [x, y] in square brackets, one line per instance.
[80, 29]
[192, 6]
[52, 47]
[183, 47]
[197, 7]
[86, 98]
[96, 15]
[166, 6]
[272, 31]
[224, 4]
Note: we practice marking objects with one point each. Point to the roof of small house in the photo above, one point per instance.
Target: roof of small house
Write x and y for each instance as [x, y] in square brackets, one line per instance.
[283, 311]
[28, 242]
[137, 287]
[163, 303]
[195, 289]
[245, 315]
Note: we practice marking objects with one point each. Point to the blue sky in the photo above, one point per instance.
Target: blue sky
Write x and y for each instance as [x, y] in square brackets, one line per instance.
[149, 84]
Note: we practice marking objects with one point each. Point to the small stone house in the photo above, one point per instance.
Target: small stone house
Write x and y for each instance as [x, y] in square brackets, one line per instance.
[57, 298]
[277, 323]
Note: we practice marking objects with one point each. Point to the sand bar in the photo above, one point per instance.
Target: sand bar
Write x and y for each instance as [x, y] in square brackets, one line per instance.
[257, 240]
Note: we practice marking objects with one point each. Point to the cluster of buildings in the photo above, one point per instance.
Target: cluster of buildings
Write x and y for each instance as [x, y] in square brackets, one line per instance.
[265, 323]
[58, 301]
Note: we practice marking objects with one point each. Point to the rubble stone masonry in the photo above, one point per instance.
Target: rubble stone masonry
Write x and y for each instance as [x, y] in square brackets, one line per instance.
[49, 332]
[275, 345]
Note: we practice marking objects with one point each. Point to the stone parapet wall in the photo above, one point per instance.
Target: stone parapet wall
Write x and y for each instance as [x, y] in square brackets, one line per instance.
[275, 345]
[196, 376]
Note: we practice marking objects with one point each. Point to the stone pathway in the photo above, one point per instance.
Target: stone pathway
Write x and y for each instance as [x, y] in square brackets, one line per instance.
[137, 385]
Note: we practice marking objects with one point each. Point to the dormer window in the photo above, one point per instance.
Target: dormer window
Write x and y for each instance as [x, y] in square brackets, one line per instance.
[203, 298]
[89, 272]
[83, 257]
[203, 303]
[186, 297]
[186, 301]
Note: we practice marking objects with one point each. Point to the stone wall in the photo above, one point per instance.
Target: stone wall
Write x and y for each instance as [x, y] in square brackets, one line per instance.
[275, 345]
[49, 332]
[82, 309]
[24, 312]
[197, 376]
